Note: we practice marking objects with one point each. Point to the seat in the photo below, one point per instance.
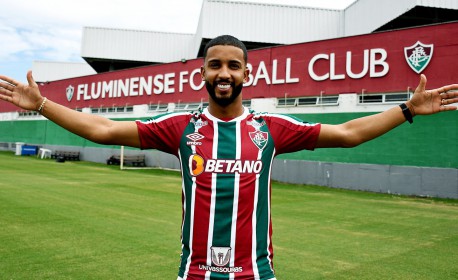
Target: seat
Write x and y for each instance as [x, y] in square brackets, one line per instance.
[44, 153]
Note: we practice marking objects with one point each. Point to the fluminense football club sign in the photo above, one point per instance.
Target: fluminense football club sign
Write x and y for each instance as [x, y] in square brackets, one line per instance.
[418, 56]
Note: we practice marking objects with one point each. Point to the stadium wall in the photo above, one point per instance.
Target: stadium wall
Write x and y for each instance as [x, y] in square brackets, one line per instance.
[418, 159]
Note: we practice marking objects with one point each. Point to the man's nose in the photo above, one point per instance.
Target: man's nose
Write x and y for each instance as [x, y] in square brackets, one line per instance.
[224, 72]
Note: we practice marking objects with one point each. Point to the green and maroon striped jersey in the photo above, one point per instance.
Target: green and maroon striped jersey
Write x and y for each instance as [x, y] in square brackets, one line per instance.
[226, 168]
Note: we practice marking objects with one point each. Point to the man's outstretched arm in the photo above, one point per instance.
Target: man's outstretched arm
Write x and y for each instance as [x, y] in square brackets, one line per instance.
[95, 128]
[358, 131]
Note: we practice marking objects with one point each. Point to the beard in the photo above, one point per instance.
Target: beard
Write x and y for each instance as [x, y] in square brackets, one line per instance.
[226, 100]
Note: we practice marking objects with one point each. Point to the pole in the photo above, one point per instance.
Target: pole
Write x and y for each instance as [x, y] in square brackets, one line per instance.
[121, 158]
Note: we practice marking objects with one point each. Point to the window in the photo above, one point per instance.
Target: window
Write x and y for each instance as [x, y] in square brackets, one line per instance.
[111, 110]
[160, 107]
[188, 106]
[383, 98]
[375, 98]
[125, 109]
[246, 103]
[302, 101]
[399, 97]
[286, 102]
[308, 101]
[328, 100]
[28, 114]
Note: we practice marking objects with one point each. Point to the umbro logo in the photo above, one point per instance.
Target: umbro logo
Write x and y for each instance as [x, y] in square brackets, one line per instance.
[194, 137]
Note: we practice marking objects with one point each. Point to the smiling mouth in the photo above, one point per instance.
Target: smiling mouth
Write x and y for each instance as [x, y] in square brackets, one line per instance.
[223, 86]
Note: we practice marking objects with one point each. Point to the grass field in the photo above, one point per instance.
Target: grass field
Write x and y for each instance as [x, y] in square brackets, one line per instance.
[80, 220]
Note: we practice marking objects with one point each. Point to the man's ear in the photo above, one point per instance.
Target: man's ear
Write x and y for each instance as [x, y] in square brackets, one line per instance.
[247, 73]
[202, 73]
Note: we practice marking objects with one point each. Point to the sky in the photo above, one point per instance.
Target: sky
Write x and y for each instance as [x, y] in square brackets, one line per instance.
[51, 30]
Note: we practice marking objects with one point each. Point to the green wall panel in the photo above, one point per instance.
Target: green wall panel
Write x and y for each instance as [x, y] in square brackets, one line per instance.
[56, 135]
[23, 131]
[430, 141]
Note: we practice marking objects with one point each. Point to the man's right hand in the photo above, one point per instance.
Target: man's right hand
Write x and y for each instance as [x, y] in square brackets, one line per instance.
[25, 96]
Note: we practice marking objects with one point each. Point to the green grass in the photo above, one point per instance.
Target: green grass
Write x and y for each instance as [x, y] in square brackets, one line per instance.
[80, 220]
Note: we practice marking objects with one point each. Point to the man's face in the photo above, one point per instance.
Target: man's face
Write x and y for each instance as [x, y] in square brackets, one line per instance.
[224, 73]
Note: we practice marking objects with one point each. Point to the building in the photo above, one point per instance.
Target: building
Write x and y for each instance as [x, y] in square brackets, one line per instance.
[340, 65]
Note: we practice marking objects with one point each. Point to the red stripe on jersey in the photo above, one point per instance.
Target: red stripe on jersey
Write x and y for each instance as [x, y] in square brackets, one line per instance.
[244, 235]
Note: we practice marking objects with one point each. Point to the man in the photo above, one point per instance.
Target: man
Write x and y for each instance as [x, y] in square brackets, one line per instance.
[226, 154]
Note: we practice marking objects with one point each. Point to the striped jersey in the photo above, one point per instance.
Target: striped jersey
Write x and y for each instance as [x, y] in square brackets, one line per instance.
[226, 168]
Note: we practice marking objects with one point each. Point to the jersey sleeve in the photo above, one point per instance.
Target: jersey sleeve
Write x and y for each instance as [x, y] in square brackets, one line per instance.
[163, 132]
[291, 134]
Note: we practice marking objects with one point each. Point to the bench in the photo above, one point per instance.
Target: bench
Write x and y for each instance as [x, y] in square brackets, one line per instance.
[134, 160]
[66, 155]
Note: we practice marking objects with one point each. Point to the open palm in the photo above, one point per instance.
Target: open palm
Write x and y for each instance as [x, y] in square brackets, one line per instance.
[426, 102]
[25, 96]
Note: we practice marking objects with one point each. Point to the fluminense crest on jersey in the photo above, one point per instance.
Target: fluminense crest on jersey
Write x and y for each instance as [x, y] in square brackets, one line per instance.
[258, 137]
[69, 92]
[418, 56]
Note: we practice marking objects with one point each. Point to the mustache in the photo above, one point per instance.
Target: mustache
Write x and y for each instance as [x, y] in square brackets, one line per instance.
[224, 81]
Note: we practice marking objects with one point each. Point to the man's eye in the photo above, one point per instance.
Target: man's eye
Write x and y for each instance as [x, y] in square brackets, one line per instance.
[213, 65]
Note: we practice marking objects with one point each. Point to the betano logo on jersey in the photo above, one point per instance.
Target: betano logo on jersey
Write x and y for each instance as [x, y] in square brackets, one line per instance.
[197, 165]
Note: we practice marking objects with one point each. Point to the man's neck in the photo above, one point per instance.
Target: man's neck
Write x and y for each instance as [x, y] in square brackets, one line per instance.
[229, 112]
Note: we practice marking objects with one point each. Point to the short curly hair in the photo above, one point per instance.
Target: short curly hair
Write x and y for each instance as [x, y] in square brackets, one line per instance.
[226, 40]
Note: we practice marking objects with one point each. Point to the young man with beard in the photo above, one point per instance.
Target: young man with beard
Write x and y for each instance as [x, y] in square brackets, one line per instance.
[226, 153]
